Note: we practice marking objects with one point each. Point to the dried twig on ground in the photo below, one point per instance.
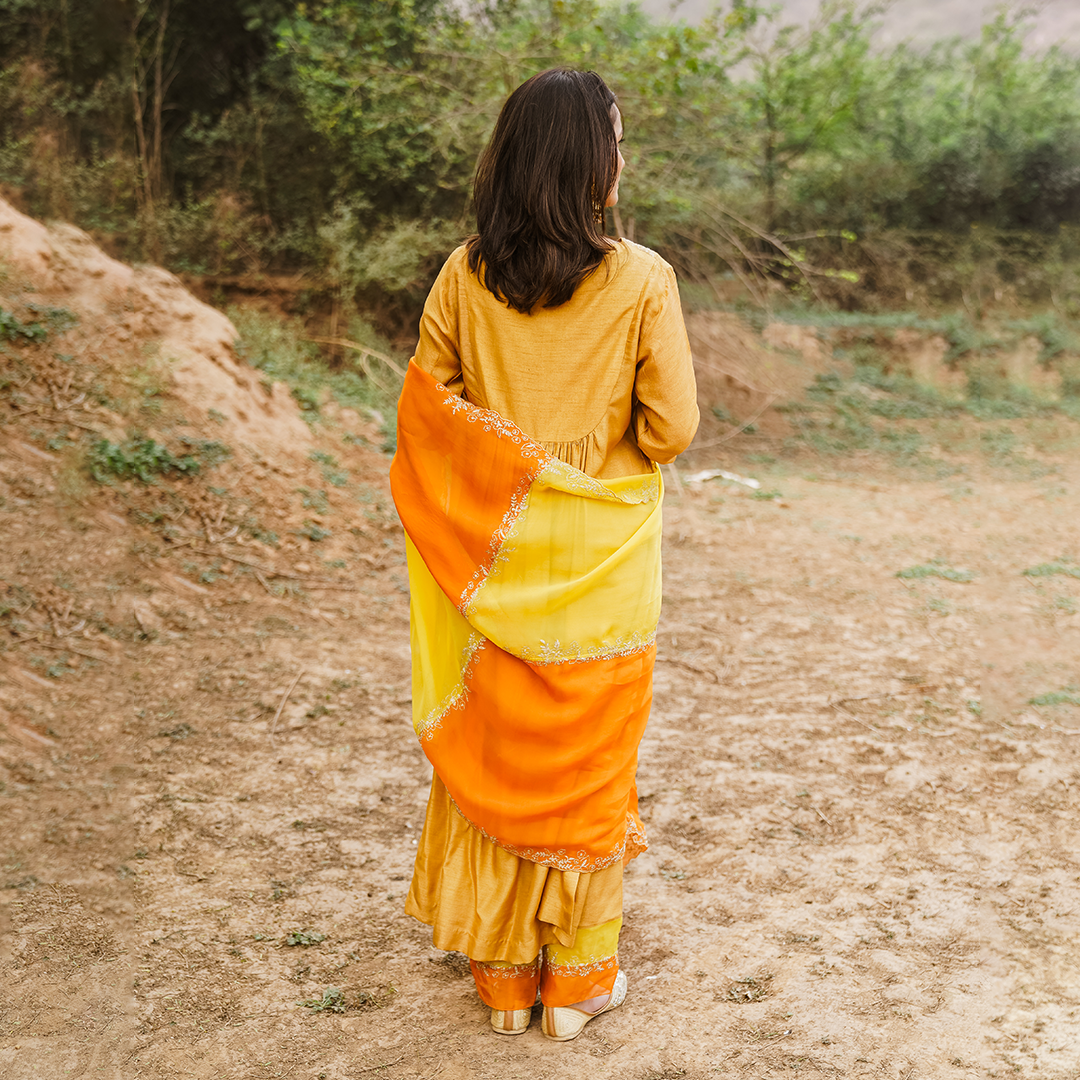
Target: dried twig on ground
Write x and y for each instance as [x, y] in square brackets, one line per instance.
[284, 698]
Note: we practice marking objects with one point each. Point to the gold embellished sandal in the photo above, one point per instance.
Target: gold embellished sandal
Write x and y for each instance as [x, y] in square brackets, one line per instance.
[566, 1022]
[511, 1021]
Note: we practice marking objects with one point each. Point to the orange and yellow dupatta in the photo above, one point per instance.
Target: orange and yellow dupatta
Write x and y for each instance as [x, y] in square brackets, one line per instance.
[535, 593]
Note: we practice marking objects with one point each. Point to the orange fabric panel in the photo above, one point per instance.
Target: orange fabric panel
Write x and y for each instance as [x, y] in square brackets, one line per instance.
[543, 757]
[487, 474]
[513, 986]
[507, 986]
[567, 985]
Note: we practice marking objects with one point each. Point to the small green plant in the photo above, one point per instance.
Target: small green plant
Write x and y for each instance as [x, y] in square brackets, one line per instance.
[314, 532]
[58, 319]
[58, 668]
[825, 384]
[1070, 695]
[141, 458]
[1063, 566]
[314, 500]
[331, 471]
[255, 530]
[767, 495]
[332, 1000]
[137, 458]
[304, 937]
[936, 568]
[306, 398]
[210, 452]
[14, 329]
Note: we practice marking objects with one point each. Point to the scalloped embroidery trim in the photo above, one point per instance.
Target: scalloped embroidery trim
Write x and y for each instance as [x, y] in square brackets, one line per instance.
[498, 551]
[634, 843]
[426, 727]
[555, 652]
[592, 966]
[499, 969]
[557, 474]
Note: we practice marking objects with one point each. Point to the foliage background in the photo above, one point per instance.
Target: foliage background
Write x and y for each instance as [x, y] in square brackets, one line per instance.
[338, 138]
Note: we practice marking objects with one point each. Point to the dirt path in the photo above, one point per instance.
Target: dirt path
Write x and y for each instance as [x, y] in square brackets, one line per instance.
[864, 838]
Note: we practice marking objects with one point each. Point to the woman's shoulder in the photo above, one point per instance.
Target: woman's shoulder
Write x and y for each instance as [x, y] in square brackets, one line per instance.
[639, 265]
[457, 262]
[640, 254]
[452, 277]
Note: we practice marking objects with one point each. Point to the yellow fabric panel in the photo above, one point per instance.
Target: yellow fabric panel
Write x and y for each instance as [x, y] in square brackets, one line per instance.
[592, 944]
[491, 905]
[442, 641]
[576, 578]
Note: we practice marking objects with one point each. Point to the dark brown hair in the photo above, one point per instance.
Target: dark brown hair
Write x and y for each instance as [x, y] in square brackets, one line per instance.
[550, 164]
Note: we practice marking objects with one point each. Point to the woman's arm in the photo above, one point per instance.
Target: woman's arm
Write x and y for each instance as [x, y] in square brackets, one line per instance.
[665, 411]
[437, 350]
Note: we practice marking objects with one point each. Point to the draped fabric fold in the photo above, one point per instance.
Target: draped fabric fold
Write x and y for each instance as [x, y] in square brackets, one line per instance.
[535, 593]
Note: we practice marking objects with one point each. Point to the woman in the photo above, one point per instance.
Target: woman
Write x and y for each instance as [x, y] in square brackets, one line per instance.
[552, 373]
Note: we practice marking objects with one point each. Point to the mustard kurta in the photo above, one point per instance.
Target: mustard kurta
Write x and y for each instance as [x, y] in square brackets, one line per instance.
[605, 383]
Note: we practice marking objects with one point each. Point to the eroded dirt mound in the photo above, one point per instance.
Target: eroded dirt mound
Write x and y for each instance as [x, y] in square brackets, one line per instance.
[146, 310]
[744, 377]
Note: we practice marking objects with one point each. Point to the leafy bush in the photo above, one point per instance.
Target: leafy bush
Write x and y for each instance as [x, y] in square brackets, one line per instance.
[282, 349]
[341, 138]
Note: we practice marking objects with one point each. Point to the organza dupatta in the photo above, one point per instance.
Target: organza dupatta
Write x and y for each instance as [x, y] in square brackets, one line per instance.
[535, 593]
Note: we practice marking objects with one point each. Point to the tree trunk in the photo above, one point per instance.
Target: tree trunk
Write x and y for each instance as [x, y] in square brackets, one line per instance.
[149, 130]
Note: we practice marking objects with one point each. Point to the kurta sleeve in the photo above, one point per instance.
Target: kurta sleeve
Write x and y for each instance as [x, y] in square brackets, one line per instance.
[665, 410]
[437, 350]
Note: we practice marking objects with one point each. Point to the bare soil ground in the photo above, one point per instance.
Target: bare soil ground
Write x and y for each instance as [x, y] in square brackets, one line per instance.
[864, 842]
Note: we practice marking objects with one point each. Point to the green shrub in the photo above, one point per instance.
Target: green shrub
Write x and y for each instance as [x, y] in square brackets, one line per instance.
[304, 937]
[281, 349]
[55, 320]
[14, 329]
[1065, 567]
[936, 568]
[141, 458]
[332, 1000]
[1069, 696]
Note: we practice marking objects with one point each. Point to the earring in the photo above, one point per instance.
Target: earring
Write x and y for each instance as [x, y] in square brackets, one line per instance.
[598, 212]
